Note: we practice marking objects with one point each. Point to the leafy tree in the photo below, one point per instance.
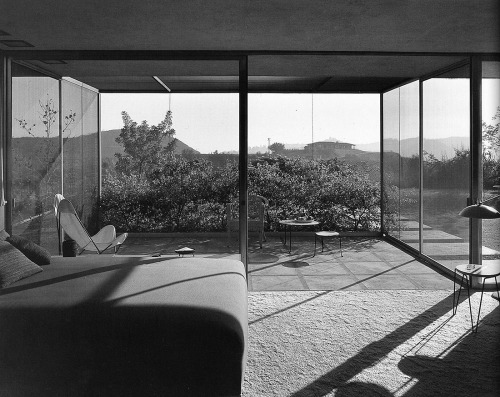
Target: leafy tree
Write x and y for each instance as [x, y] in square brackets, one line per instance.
[277, 148]
[40, 171]
[48, 117]
[491, 152]
[143, 144]
[491, 137]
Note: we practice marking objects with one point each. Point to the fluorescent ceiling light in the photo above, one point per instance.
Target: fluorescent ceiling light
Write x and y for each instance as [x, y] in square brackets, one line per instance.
[158, 80]
[16, 43]
[54, 62]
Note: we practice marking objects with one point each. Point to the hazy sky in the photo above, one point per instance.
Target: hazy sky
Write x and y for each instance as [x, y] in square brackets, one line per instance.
[209, 122]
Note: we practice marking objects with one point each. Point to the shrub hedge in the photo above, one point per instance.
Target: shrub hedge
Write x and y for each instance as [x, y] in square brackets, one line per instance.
[188, 195]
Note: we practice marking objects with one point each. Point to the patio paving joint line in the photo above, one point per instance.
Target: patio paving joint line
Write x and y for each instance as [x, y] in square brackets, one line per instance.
[302, 279]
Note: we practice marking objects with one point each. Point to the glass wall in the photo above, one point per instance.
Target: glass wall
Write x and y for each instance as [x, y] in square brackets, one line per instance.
[491, 155]
[182, 177]
[171, 164]
[36, 165]
[90, 157]
[318, 156]
[42, 118]
[409, 182]
[446, 166]
[391, 161]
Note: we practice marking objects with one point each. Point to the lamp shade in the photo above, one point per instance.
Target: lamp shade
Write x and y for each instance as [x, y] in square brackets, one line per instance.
[480, 211]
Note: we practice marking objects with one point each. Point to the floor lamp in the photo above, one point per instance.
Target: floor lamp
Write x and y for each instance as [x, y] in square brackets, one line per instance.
[481, 211]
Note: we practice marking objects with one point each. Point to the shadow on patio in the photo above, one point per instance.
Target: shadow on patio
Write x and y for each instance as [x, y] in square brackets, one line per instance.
[367, 263]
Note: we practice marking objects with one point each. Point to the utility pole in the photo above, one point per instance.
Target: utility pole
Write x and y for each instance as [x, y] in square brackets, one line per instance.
[312, 126]
[268, 144]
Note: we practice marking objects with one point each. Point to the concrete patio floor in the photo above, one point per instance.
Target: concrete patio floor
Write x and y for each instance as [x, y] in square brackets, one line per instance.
[367, 263]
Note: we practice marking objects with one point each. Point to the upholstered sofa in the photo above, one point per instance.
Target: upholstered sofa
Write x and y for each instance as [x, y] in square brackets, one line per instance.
[103, 325]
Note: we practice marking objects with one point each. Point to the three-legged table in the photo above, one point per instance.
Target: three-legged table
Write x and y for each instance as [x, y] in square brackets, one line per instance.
[468, 272]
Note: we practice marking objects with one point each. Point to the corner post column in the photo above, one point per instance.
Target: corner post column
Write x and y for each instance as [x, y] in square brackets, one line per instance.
[243, 160]
[476, 151]
[5, 144]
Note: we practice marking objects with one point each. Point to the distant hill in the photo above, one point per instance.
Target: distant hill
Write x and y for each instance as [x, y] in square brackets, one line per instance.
[29, 147]
[444, 147]
[109, 146]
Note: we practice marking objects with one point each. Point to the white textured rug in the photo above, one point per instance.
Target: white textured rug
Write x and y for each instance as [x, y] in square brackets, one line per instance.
[371, 343]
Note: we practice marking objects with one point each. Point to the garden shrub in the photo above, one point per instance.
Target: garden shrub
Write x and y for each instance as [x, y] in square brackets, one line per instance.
[188, 195]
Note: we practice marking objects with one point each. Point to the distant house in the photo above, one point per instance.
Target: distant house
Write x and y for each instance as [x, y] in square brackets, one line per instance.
[327, 150]
[325, 146]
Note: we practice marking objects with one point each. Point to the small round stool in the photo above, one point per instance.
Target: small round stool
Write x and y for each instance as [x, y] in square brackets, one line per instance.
[324, 234]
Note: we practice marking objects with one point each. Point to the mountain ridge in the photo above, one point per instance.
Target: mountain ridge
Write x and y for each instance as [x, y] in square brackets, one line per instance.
[439, 147]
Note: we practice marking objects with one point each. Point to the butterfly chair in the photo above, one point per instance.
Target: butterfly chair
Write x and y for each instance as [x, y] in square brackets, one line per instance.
[69, 223]
[256, 216]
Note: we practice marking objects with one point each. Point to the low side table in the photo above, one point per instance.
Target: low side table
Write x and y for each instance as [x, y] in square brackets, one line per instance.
[326, 234]
[467, 272]
[184, 251]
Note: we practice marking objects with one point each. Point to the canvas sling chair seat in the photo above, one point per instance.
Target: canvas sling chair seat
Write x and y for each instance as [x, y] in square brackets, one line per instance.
[69, 223]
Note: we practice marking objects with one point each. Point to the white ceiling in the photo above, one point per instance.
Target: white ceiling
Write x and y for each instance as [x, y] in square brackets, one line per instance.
[397, 40]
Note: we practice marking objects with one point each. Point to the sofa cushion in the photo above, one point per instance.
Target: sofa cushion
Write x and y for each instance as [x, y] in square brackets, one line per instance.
[114, 326]
[3, 235]
[14, 265]
[33, 251]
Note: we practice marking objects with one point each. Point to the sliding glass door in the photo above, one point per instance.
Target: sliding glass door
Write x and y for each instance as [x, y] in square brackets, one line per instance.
[446, 166]
[401, 160]
[426, 163]
[80, 149]
[491, 155]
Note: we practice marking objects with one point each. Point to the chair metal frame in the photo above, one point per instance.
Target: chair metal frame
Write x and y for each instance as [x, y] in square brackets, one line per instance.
[256, 216]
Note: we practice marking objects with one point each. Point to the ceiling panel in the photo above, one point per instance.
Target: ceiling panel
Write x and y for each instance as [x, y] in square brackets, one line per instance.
[237, 25]
[394, 40]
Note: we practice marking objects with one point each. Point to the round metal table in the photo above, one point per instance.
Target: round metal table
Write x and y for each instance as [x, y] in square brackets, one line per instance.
[289, 223]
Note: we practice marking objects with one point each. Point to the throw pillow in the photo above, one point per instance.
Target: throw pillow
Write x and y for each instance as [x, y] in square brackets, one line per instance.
[3, 235]
[14, 265]
[33, 251]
